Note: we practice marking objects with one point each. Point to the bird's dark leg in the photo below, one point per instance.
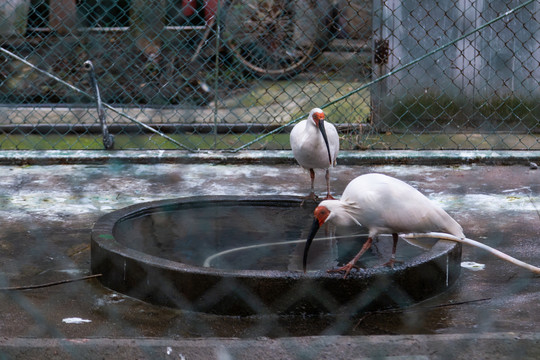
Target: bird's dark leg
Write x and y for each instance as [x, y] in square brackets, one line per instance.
[393, 260]
[312, 176]
[311, 195]
[351, 264]
[328, 196]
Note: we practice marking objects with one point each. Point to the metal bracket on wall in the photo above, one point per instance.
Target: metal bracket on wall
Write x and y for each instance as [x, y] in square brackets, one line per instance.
[382, 51]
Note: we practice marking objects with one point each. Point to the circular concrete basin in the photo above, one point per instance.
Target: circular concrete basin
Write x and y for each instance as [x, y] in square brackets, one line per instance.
[237, 255]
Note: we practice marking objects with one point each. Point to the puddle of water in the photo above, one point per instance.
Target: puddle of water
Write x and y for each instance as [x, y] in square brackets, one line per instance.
[248, 237]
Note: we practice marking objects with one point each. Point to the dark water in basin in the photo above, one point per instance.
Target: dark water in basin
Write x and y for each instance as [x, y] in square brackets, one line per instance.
[197, 235]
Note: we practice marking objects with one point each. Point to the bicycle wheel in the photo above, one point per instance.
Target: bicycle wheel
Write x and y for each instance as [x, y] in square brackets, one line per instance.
[275, 38]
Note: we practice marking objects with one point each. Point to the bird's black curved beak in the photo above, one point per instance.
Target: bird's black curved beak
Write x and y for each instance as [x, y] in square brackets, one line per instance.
[323, 132]
[312, 233]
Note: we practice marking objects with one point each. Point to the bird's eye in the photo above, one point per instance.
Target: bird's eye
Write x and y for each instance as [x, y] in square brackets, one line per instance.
[321, 213]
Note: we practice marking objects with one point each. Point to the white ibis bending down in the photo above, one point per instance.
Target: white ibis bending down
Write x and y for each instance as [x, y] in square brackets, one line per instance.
[315, 145]
[386, 205]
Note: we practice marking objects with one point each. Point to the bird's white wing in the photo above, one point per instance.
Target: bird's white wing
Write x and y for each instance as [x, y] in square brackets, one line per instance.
[414, 212]
[390, 205]
[298, 139]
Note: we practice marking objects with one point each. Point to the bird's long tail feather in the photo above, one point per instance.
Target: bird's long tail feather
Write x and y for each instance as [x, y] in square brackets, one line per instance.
[475, 243]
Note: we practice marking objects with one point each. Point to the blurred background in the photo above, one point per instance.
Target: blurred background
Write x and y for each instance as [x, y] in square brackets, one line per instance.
[238, 74]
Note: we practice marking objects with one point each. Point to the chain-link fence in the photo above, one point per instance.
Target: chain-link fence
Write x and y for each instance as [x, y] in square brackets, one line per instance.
[231, 75]
[238, 74]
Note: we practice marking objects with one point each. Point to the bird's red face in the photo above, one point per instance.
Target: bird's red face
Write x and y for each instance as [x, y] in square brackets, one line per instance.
[321, 213]
[317, 117]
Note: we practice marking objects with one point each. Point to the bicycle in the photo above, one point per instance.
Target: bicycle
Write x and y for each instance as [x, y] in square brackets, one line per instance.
[272, 39]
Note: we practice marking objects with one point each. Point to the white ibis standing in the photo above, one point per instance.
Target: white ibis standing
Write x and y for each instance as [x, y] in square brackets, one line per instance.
[386, 205]
[315, 145]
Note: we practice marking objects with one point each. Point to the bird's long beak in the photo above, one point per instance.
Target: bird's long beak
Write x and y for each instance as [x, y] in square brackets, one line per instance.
[323, 132]
[312, 233]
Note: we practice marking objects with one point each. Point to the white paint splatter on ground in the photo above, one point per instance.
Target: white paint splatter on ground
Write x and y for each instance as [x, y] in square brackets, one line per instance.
[471, 265]
[75, 320]
[106, 300]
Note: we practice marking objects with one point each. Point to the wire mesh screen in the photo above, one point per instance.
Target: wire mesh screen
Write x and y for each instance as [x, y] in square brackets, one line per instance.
[238, 74]
[478, 92]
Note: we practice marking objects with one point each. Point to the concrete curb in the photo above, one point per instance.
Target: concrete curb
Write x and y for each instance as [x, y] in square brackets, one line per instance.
[267, 157]
[449, 346]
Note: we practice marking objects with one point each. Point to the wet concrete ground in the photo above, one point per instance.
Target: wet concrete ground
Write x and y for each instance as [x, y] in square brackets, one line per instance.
[46, 213]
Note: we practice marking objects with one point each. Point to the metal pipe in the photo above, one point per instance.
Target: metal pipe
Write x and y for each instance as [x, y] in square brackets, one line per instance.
[108, 139]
